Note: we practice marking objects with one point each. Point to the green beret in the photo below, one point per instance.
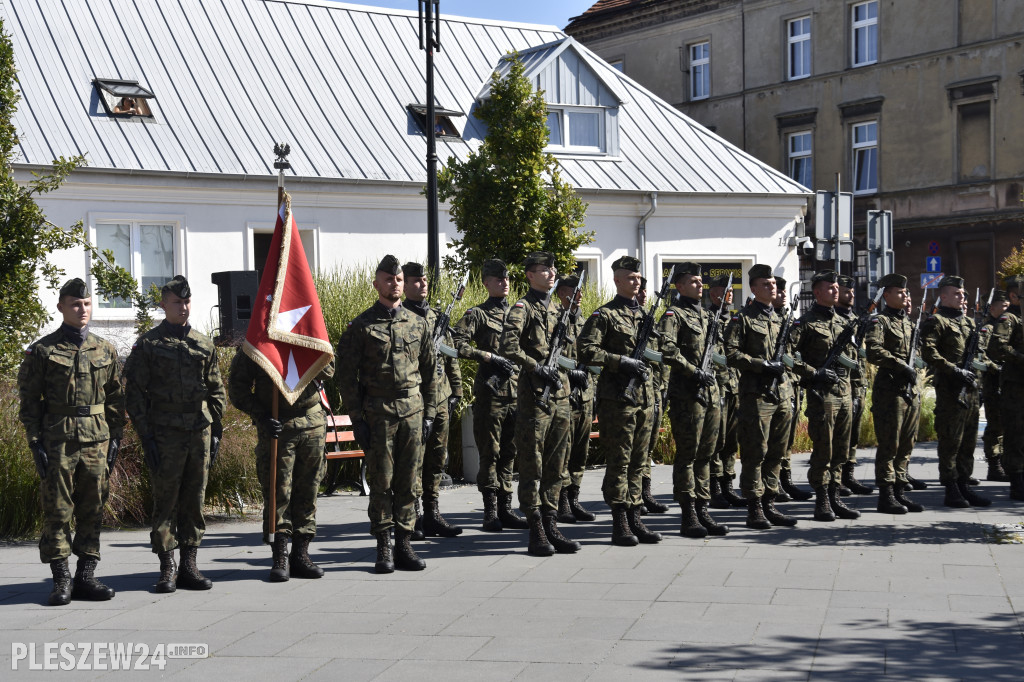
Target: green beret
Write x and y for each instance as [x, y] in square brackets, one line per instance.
[998, 296]
[411, 269]
[893, 280]
[952, 281]
[643, 283]
[177, 286]
[720, 281]
[389, 264]
[75, 288]
[846, 281]
[687, 268]
[545, 258]
[759, 271]
[570, 281]
[825, 276]
[1013, 283]
[780, 282]
[626, 263]
[494, 267]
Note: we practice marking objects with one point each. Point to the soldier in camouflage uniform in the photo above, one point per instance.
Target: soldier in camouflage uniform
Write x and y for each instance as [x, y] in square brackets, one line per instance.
[581, 415]
[660, 377]
[694, 407]
[449, 392]
[723, 464]
[300, 430]
[387, 378]
[608, 338]
[72, 407]
[175, 398]
[944, 339]
[788, 491]
[494, 389]
[764, 418]
[997, 323]
[848, 483]
[829, 398]
[895, 397]
[542, 432]
[1006, 346]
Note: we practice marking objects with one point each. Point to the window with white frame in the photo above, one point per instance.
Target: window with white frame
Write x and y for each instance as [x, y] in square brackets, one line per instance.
[800, 152]
[576, 129]
[146, 249]
[700, 70]
[865, 157]
[798, 35]
[864, 42]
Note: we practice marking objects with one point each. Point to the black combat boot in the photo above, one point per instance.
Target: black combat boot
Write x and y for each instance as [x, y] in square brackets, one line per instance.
[729, 494]
[621, 534]
[823, 506]
[971, 480]
[717, 501]
[435, 525]
[1017, 486]
[299, 563]
[887, 502]
[973, 498]
[165, 583]
[417, 529]
[900, 491]
[86, 587]
[954, 498]
[755, 515]
[653, 506]
[509, 517]
[279, 571]
[538, 544]
[839, 507]
[916, 484]
[774, 516]
[189, 577]
[786, 483]
[781, 496]
[492, 523]
[637, 528]
[690, 526]
[996, 472]
[565, 514]
[60, 595]
[406, 558]
[579, 512]
[851, 482]
[562, 544]
[385, 558]
[710, 525]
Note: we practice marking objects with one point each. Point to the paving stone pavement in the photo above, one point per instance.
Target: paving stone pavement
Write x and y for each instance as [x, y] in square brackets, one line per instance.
[921, 596]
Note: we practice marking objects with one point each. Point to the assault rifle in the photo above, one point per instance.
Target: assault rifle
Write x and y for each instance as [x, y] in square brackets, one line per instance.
[908, 391]
[771, 393]
[704, 392]
[443, 322]
[644, 335]
[835, 353]
[561, 336]
[971, 349]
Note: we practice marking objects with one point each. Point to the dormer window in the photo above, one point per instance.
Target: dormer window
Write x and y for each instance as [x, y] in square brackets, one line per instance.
[123, 97]
[576, 130]
[443, 126]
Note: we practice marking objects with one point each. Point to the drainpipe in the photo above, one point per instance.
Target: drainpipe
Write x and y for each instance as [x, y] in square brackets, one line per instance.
[641, 231]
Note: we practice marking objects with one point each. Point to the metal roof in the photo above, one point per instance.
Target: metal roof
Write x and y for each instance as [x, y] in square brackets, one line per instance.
[232, 77]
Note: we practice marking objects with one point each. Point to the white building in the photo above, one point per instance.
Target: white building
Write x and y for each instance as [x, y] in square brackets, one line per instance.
[188, 186]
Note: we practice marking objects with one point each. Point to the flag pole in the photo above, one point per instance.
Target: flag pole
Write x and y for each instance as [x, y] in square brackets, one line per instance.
[281, 150]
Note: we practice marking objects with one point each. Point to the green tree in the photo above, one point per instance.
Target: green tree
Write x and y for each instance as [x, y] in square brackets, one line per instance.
[508, 198]
[27, 238]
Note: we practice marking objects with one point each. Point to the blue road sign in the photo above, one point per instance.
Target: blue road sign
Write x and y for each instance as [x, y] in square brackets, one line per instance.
[930, 280]
[933, 264]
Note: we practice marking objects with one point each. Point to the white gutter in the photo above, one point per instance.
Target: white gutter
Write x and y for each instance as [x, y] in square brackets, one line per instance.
[641, 229]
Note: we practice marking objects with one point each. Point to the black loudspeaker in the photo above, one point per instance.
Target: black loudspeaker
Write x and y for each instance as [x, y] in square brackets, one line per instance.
[236, 296]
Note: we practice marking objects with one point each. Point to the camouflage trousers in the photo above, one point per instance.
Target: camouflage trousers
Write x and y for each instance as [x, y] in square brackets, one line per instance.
[494, 423]
[435, 453]
[993, 436]
[763, 435]
[625, 437]
[896, 425]
[956, 427]
[542, 440]
[695, 430]
[75, 486]
[656, 419]
[300, 468]
[797, 403]
[581, 422]
[1013, 439]
[856, 416]
[179, 488]
[394, 469]
[829, 420]
[727, 445]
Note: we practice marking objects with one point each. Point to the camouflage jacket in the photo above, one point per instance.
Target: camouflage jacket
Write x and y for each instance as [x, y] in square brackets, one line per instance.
[859, 376]
[813, 336]
[526, 338]
[990, 329]
[750, 341]
[944, 339]
[571, 351]
[888, 346]
[483, 325]
[251, 390]
[728, 377]
[449, 376]
[1006, 346]
[172, 381]
[608, 335]
[70, 393]
[684, 329]
[386, 364]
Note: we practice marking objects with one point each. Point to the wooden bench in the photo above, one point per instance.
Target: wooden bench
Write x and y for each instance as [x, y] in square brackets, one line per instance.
[339, 430]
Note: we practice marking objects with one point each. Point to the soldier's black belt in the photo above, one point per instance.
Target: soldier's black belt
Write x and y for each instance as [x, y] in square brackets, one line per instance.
[392, 395]
[76, 410]
[178, 408]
